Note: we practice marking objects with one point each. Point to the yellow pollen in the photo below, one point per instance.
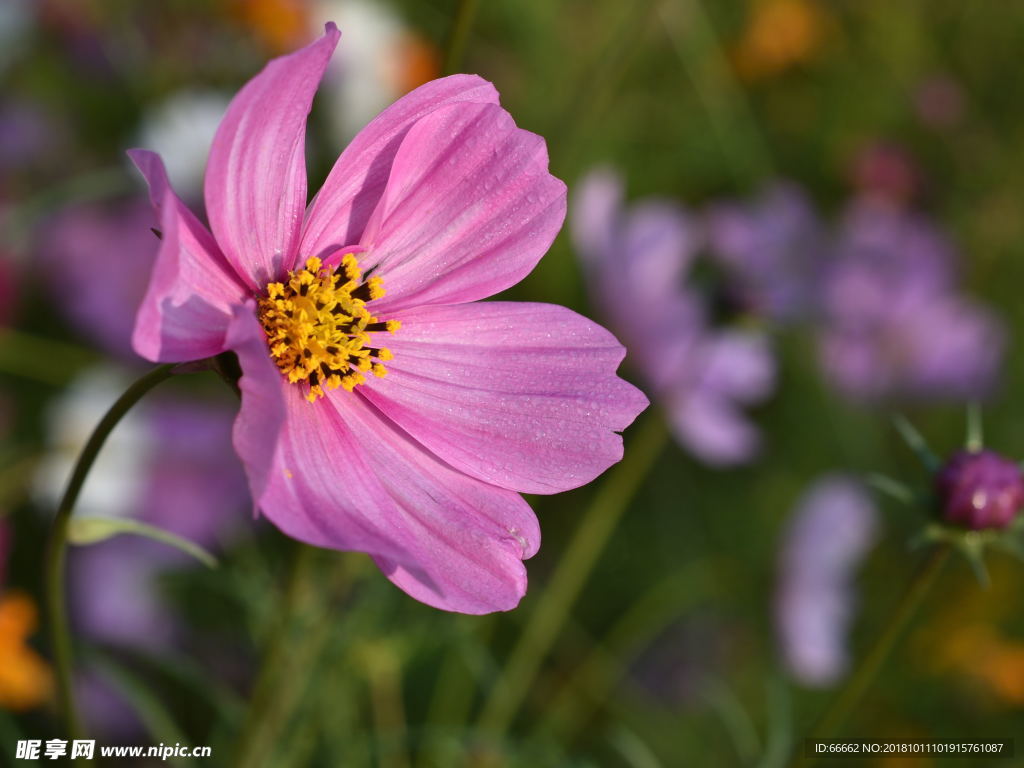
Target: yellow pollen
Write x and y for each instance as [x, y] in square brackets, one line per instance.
[319, 328]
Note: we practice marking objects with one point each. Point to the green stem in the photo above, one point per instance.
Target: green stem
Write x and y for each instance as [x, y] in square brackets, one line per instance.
[458, 35]
[56, 550]
[866, 672]
[291, 652]
[591, 536]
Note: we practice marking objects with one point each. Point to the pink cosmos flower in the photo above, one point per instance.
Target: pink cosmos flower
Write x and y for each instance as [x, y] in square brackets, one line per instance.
[382, 409]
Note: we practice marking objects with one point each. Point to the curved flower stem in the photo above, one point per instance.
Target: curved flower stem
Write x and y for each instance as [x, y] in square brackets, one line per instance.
[868, 669]
[592, 533]
[457, 36]
[56, 549]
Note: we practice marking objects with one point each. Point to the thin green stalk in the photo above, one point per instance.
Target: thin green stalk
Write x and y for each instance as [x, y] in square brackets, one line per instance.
[56, 550]
[387, 708]
[458, 35]
[733, 120]
[975, 439]
[304, 618]
[261, 724]
[589, 685]
[591, 536]
[866, 672]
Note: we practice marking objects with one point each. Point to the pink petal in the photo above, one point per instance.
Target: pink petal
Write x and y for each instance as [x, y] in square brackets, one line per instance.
[339, 212]
[261, 419]
[520, 395]
[347, 478]
[468, 211]
[256, 175]
[192, 289]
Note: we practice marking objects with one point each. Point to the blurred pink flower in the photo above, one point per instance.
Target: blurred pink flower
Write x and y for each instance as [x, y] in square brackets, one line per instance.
[886, 171]
[637, 262]
[440, 201]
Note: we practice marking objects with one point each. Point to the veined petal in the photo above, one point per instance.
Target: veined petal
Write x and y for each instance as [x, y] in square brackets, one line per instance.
[261, 419]
[468, 211]
[347, 478]
[256, 176]
[188, 305]
[520, 395]
[339, 212]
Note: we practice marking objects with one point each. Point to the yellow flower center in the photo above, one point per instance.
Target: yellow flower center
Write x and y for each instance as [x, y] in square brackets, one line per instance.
[318, 326]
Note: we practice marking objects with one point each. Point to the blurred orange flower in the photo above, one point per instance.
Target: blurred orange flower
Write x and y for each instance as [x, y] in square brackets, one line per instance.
[419, 62]
[25, 680]
[779, 34]
[279, 24]
[979, 652]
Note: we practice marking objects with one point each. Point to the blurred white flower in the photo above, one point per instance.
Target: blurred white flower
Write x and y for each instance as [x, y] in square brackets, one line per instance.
[114, 484]
[180, 129]
[379, 60]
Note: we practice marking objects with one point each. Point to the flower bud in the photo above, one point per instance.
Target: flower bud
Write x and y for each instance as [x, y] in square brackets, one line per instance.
[980, 490]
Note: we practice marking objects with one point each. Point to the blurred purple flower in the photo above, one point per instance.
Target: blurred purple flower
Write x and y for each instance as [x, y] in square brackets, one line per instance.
[980, 490]
[27, 135]
[191, 484]
[828, 536]
[170, 463]
[636, 262]
[770, 249]
[894, 322]
[98, 260]
[105, 710]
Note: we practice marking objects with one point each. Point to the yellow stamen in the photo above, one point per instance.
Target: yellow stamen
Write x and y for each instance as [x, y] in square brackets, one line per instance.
[319, 328]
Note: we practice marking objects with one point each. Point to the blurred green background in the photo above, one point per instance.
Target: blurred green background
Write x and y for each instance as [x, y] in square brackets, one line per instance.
[649, 641]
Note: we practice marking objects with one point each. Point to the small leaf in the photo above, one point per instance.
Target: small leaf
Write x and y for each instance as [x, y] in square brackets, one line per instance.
[975, 440]
[973, 547]
[916, 442]
[92, 530]
[891, 487]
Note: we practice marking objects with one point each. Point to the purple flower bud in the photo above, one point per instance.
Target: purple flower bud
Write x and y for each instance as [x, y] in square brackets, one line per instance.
[980, 490]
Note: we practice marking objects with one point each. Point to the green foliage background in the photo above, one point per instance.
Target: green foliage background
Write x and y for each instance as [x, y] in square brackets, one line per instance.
[370, 677]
